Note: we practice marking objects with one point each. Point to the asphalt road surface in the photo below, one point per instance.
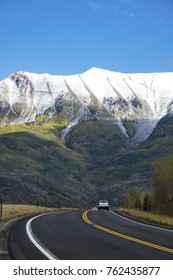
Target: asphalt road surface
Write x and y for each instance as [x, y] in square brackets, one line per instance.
[88, 235]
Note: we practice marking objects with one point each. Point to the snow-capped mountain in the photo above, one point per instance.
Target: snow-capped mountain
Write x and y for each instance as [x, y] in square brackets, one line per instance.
[140, 99]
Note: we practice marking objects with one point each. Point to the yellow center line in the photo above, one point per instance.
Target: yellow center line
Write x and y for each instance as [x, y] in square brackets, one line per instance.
[149, 244]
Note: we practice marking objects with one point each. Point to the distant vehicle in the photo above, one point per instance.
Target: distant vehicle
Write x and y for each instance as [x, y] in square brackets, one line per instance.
[94, 208]
[103, 204]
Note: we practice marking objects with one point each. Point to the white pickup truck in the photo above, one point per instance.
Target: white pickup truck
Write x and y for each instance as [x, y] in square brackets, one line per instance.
[103, 204]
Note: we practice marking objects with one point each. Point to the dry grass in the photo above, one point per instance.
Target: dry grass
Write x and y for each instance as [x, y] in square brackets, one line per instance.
[11, 211]
[148, 216]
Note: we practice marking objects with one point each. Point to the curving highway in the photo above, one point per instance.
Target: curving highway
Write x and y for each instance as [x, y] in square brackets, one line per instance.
[92, 235]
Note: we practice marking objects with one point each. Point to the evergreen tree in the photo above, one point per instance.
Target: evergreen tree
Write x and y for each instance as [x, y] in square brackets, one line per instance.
[147, 202]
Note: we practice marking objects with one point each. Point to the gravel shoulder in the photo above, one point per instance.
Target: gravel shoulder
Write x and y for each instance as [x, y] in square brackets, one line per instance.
[4, 233]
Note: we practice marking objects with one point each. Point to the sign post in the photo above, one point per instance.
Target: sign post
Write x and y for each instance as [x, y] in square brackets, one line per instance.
[1, 206]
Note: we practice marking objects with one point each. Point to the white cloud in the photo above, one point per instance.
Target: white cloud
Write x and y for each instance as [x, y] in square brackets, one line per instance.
[94, 5]
[128, 14]
[154, 18]
[131, 2]
[158, 20]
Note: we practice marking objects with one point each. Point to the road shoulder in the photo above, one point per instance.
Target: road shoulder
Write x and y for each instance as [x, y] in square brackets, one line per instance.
[5, 228]
[135, 219]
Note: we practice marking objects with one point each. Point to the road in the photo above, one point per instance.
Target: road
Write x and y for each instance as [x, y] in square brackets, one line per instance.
[92, 235]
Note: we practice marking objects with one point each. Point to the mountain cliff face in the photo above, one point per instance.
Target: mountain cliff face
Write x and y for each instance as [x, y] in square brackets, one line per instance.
[133, 102]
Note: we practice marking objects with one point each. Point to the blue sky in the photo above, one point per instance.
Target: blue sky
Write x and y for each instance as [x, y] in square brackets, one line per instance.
[67, 37]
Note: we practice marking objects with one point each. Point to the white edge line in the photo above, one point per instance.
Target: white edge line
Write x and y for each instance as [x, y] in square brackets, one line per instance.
[140, 223]
[36, 242]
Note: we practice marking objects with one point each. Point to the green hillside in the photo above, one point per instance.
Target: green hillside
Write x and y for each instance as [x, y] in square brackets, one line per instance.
[96, 161]
[35, 165]
[116, 169]
[98, 142]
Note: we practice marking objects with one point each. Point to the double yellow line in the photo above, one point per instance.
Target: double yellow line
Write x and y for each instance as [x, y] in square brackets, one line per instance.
[149, 244]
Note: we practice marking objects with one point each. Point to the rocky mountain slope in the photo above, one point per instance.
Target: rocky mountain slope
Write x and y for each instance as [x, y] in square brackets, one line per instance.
[134, 102]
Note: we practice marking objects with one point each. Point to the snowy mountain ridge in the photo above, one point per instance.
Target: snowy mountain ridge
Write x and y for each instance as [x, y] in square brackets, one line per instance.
[139, 99]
